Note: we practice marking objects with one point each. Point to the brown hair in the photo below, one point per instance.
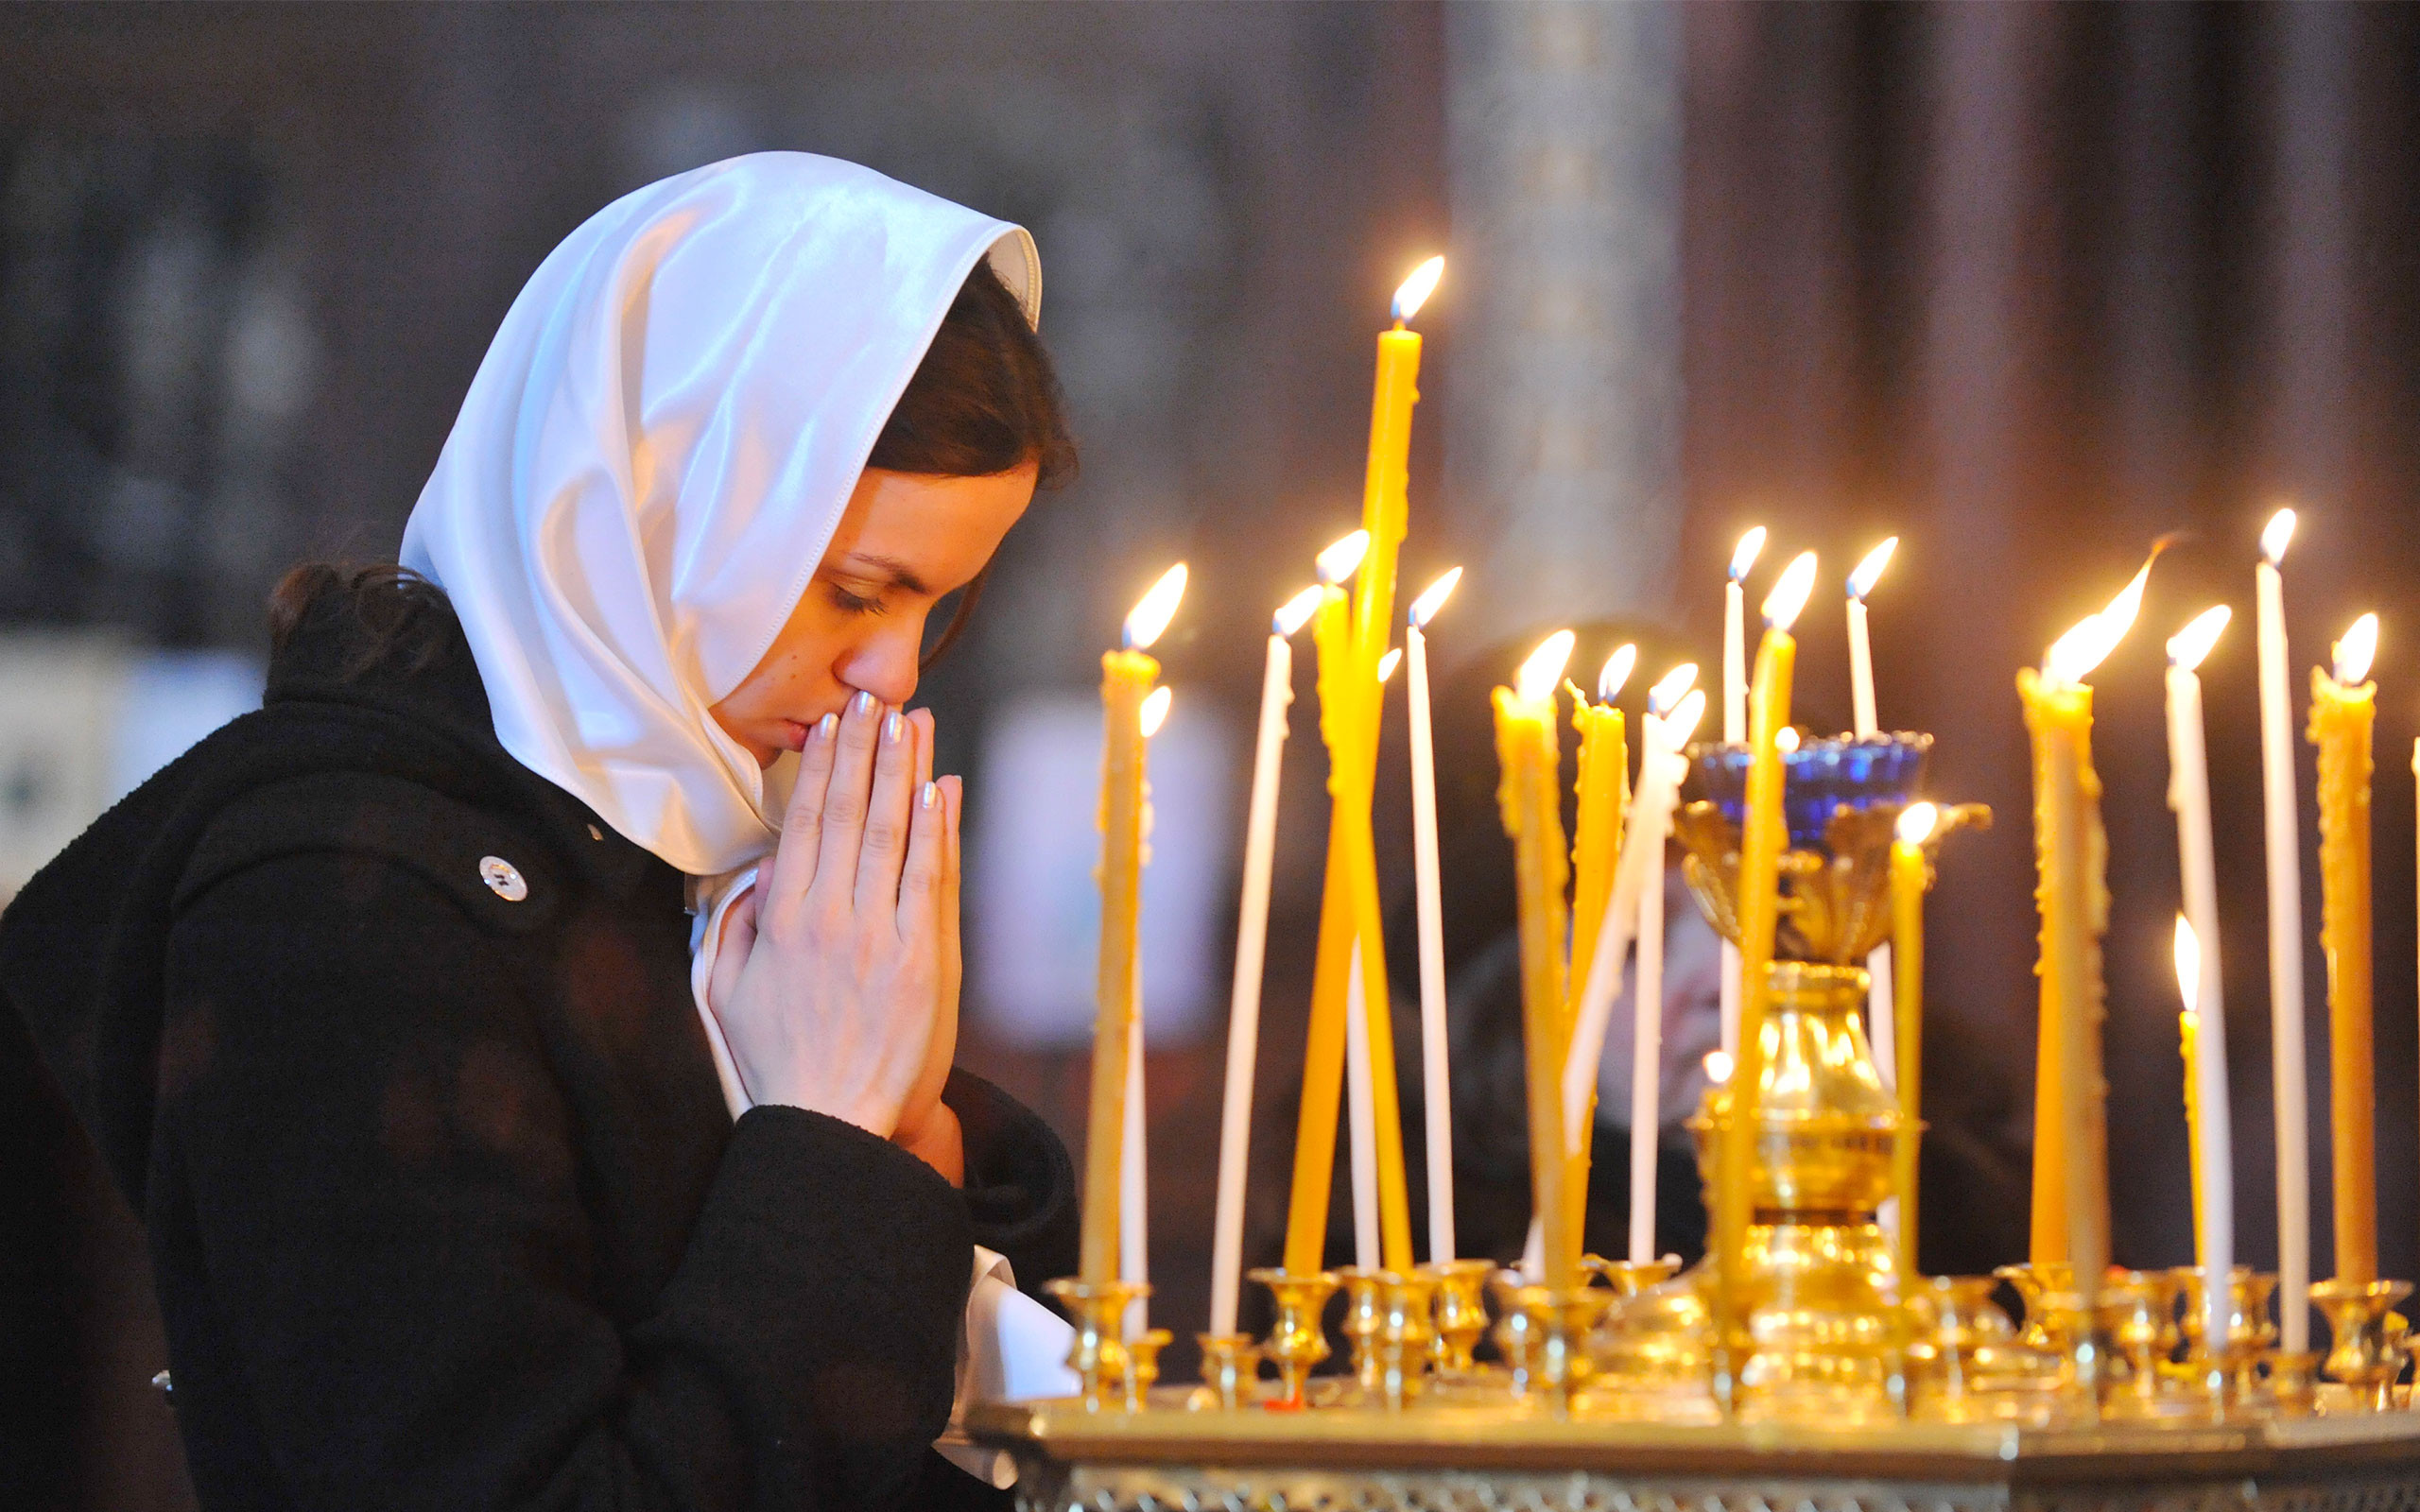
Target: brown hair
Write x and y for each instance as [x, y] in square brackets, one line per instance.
[983, 401]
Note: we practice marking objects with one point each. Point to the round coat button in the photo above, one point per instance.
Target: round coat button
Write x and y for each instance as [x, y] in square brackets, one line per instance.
[503, 877]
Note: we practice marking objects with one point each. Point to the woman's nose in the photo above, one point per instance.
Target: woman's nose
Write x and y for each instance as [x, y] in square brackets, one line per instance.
[885, 664]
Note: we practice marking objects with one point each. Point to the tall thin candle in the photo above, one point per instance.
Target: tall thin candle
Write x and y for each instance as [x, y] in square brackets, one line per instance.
[1127, 677]
[2188, 794]
[1865, 724]
[1252, 942]
[1764, 837]
[2343, 708]
[1530, 798]
[1436, 1086]
[1670, 731]
[1734, 730]
[2281, 830]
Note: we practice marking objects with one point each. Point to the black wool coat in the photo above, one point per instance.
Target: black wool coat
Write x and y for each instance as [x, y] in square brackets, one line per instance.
[443, 1205]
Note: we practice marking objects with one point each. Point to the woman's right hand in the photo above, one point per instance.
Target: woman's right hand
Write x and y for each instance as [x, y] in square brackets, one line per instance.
[831, 1005]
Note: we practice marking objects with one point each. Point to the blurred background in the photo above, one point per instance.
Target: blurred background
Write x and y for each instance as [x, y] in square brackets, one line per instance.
[2027, 285]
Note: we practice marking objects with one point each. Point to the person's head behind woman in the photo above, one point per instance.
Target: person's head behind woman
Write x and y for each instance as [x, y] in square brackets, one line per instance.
[737, 437]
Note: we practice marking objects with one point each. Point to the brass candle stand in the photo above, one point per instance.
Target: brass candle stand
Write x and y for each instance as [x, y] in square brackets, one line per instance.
[1855, 1386]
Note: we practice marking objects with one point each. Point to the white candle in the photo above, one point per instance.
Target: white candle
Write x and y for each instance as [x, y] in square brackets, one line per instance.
[2188, 794]
[1252, 941]
[1880, 1029]
[2283, 832]
[1436, 1086]
[1734, 730]
[1647, 1043]
[1641, 864]
[1363, 1114]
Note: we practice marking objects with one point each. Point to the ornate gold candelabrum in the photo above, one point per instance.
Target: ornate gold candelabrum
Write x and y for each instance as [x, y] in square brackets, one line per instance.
[1827, 1334]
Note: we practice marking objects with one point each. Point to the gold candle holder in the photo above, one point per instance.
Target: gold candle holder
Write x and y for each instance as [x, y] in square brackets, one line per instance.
[1405, 1334]
[2232, 1370]
[1627, 1278]
[2294, 1380]
[1364, 1319]
[2080, 1350]
[1516, 1337]
[1559, 1321]
[1460, 1317]
[1098, 1355]
[2368, 1352]
[2138, 1314]
[1230, 1369]
[2034, 1284]
[1297, 1340]
[1143, 1367]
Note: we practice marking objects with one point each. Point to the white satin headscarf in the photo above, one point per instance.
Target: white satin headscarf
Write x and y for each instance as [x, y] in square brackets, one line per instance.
[654, 458]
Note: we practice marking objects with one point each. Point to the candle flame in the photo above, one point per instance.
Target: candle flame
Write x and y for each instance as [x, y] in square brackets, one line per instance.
[1295, 613]
[1789, 594]
[1615, 672]
[1343, 556]
[2074, 655]
[1152, 611]
[1388, 663]
[1683, 721]
[1743, 556]
[1432, 598]
[1416, 289]
[2187, 647]
[1537, 678]
[1718, 1065]
[1673, 687]
[2358, 648]
[2275, 536]
[1155, 711]
[1916, 822]
[1786, 739]
[2188, 966]
[1869, 571]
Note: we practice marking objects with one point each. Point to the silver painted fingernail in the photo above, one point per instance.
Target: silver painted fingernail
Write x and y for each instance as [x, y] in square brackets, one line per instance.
[892, 722]
[925, 798]
[862, 703]
[826, 726]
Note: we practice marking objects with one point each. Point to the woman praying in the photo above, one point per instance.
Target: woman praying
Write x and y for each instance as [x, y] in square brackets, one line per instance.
[528, 1039]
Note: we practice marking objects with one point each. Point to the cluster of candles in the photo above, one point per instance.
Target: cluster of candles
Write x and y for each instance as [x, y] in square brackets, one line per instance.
[1574, 942]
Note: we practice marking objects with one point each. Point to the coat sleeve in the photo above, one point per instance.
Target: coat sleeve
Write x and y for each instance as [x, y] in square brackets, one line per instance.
[1020, 1184]
[386, 1190]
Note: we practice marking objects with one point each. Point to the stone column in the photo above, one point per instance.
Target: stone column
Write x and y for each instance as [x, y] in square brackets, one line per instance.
[1563, 383]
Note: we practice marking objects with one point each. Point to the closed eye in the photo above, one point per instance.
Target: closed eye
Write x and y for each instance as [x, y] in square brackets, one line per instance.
[851, 603]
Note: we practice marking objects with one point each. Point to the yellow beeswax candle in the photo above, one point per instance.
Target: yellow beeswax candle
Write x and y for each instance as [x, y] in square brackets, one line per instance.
[1530, 795]
[2070, 1161]
[2343, 710]
[1127, 679]
[2187, 1024]
[1764, 837]
[1910, 875]
[1602, 789]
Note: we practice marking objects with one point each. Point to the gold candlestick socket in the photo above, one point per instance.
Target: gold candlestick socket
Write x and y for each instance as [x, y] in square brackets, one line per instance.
[1143, 1367]
[1098, 1355]
[2368, 1352]
[1297, 1340]
[1230, 1367]
[1461, 1314]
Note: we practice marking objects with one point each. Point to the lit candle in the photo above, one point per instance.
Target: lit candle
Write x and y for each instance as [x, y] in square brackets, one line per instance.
[1910, 875]
[1325, 1055]
[1603, 790]
[2203, 1026]
[2188, 980]
[1252, 942]
[1763, 837]
[2343, 708]
[2282, 838]
[1436, 1088]
[1864, 724]
[2070, 1169]
[1734, 730]
[1349, 924]
[1135, 1188]
[1127, 677]
[1531, 795]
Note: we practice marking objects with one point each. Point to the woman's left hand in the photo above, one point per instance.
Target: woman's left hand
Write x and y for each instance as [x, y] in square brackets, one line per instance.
[927, 1128]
